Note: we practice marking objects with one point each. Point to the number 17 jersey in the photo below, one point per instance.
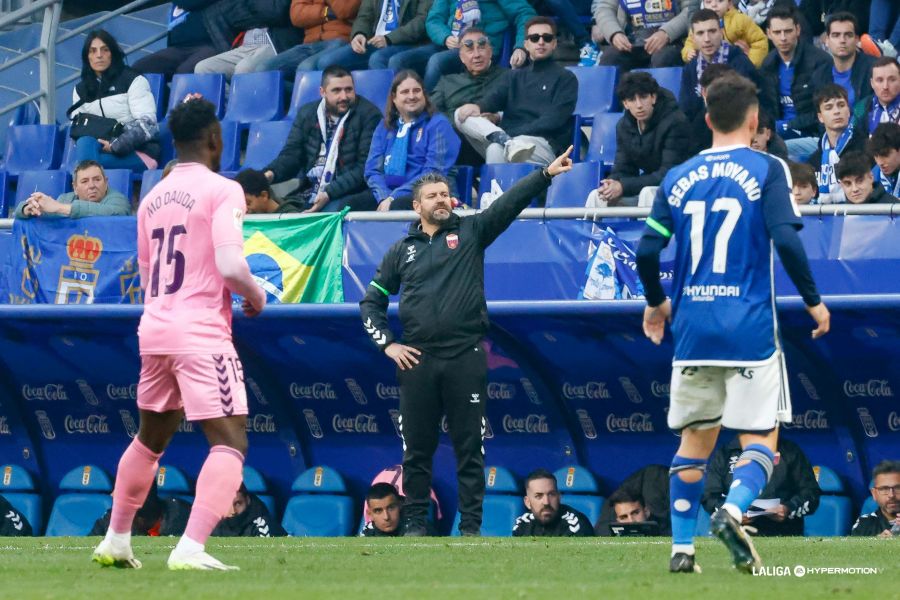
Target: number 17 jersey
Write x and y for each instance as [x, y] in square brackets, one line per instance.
[180, 223]
[720, 206]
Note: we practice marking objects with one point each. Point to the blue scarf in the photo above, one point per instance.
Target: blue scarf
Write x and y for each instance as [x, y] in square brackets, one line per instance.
[830, 156]
[467, 13]
[720, 58]
[884, 115]
[395, 161]
[892, 185]
[649, 15]
[389, 16]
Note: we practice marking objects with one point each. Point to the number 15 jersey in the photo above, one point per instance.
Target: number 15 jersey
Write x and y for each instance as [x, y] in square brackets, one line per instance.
[720, 206]
[180, 223]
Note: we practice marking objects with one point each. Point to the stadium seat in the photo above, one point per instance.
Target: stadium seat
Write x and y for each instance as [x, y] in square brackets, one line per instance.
[321, 506]
[255, 484]
[158, 88]
[67, 161]
[231, 146]
[502, 503]
[171, 482]
[579, 489]
[265, 142]
[667, 77]
[596, 94]
[497, 178]
[120, 181]
[374, 85]
[572, 188]
[833, 517]
[209, 85]
[465, 179]
[5, 194]
[306, 90]
[255, 97]
[869, 506]
[85, 497]
[17, 486]
[166, 145]
[149, 178]
[31, 148]
[602, 147]
[52, 183]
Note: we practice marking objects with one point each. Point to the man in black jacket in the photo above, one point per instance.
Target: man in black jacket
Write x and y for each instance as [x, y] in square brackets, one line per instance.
[792, 484]
[650, 484]
[249, 517]
[384, 511]
[12, 522]
[787, 81]
[886, 493]
[851, 68]
[156, 517]
[538, 103]
[854, 172]
[328, 146]
[546, 516]
[441, 364]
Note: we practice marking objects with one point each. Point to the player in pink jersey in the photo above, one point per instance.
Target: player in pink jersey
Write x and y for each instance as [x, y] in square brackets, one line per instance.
[190, 254]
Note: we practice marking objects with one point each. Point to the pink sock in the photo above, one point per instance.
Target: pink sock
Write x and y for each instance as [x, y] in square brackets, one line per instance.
[137, 468]
[217, 484]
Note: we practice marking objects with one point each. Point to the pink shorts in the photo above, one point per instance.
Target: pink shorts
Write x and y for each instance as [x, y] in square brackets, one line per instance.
[207, 386]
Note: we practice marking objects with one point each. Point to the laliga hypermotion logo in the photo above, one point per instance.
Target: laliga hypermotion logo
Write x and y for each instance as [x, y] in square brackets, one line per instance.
[79, 278]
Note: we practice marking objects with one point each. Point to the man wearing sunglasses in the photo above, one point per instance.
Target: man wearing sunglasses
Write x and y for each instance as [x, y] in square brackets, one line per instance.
[643, 34]
[537, 103]
[883, 521]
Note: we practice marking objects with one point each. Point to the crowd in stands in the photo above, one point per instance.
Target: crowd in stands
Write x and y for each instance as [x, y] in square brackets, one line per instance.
[479, 81]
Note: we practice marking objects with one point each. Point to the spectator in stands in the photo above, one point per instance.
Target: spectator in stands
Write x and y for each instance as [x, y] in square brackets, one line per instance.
[884, 104]
[187, 43]
[884, 146]
[711, 49]
[110, 89]
[255, 47]
[546, 516]
[537, 102]
[701, 138]
[643, 34]
[739, 30]
[384, 34]
[850, 68]
[249, 517]
[327, 147]
[815, 13]
[884, 28]
[787, 73]
[767, 139]
[651, 137]
[568, 15]
[384, 511]
[448, 19]
[792, 491]
[326, 25]
[91, 197]
[806, 187]
[12, 522]
[840, 136]
[630, 508]
[412, 140]
[886, 493]
[156, 517]
[758, 10]
[261, 200]
[651, 486]
[854, 172]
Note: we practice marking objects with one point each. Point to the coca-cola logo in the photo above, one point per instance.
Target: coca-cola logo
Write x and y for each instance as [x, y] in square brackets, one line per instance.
[501, 391]
[387, 392]
[122, 392]
[51, 391]
[315, 391]
[660, 389]
[362, 423]
[4, 427]
[811, 419]
[874, 388]
[261, 424]
[634, 423]
[91, 424]
[529, 424]
[893, 422]
[592, 390]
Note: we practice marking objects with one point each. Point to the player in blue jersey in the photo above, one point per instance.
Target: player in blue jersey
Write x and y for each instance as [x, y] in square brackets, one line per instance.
[728, 206]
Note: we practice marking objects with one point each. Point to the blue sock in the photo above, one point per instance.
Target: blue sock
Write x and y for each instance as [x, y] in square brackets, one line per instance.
[685, 502]
[749, 479]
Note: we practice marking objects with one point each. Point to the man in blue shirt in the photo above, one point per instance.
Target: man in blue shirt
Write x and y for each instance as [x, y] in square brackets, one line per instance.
[851, 68]
[727, 206]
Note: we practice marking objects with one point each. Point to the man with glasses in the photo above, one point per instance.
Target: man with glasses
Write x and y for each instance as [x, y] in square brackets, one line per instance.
[886, 493]
[537, 103]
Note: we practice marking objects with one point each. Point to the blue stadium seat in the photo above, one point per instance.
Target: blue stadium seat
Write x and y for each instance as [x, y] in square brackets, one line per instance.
[596, 94]
[572, 188]
[171, 482]
[374, 85]
[5, 195]
[465, 179]
[31, 148]
[67, 161]
[255, 97]
[869, 506]
[667, 77]
[602, 147]
[265, 142]
[85, 497]
[166, 145]
[17, 486]
[255, 484]
[158, 88]
[833, 517]
[321, 506]
[591, 506]
[502, 175]
[52, 183]
[306, 90]
[209, 85]
[231, 146]
[502, 503]
[120, 181]
[149, 178]
[578, 486]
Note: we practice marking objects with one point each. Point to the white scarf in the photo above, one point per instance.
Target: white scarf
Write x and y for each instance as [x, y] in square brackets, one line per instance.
[331, 154]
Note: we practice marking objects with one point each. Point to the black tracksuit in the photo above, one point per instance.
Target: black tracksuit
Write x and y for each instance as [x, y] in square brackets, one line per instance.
[444, 315]
[568, 523]
[255, 521]
[12, 522]
[871, 524]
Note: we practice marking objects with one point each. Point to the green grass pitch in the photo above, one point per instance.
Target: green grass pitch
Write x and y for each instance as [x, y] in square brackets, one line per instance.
[449, 568]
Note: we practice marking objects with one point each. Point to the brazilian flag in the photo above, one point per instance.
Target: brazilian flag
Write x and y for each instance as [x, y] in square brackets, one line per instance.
[297, 259]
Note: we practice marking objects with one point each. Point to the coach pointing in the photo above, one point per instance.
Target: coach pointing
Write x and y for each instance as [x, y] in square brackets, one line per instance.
[442, 367]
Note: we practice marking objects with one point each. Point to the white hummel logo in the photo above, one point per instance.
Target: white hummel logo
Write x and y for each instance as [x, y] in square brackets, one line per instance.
[476, 398]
